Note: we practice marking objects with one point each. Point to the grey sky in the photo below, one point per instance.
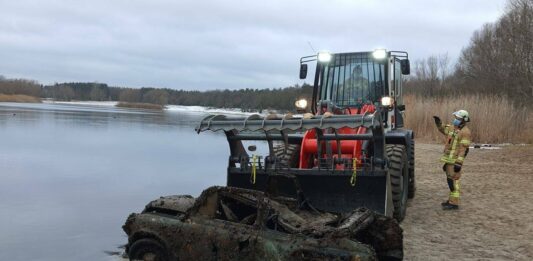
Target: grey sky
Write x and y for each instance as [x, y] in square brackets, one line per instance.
[218, 44]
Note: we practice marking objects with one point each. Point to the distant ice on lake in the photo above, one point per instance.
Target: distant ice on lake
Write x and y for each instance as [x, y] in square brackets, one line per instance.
[178, 108]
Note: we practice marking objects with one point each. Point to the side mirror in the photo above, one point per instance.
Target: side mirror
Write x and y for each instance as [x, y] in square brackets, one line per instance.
[401, 107]
[406, 67]
[303, 71]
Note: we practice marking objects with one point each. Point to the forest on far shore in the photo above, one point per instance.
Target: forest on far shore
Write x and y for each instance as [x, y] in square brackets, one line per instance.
[246, 99]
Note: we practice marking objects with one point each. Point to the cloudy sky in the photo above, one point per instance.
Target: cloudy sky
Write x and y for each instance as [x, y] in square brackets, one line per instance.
[209, 44]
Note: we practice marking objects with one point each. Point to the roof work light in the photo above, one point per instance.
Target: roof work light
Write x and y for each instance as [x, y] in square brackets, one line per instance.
[379, 54]
[324, 56]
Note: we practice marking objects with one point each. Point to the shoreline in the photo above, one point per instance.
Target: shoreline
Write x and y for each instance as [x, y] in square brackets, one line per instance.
[21, 98]
[140, 105]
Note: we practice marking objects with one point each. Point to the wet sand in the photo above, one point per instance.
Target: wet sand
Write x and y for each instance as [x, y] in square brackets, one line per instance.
[495, 220]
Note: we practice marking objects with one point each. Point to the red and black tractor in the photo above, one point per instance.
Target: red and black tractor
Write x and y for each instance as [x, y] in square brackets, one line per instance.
[350, 150]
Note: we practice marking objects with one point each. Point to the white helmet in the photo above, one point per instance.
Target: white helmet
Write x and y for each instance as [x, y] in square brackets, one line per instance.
[462, 114]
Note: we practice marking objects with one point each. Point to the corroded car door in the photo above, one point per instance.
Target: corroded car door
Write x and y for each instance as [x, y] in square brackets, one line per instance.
[213, 239]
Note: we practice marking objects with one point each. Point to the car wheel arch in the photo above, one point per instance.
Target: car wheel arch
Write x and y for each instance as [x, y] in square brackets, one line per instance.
[142, 235]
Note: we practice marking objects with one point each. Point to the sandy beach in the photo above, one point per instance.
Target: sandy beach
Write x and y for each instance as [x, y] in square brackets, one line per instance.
[495, 221]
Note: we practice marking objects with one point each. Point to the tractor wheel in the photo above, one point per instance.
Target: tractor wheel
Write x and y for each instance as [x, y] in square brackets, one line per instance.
[399, 177]
[412, 181]
[289, 158]
[148, 249]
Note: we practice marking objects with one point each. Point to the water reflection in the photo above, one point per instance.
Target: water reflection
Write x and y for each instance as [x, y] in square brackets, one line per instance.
[72, 173]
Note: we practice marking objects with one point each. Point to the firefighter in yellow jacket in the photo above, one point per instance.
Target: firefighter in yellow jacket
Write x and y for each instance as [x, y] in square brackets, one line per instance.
[455, 151]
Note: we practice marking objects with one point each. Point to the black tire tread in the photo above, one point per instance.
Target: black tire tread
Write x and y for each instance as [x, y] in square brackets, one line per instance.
[412, 181]
[397, 160]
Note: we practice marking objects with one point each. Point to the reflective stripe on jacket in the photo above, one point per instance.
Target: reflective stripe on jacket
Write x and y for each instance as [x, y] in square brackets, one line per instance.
[457, 142]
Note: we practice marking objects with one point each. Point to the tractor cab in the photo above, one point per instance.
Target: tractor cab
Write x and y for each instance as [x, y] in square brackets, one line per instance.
[358, 83]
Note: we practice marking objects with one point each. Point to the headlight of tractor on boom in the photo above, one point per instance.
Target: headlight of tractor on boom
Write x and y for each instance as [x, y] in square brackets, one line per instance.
[301, 104]
[324, 56]
[386, 101]
[379, 54]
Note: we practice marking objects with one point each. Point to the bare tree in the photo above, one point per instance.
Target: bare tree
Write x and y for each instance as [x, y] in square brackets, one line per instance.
[499, 58]
[430, 75]
[444, 64]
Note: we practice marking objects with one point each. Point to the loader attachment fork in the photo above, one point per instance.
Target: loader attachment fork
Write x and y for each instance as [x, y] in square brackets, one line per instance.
[336, 184]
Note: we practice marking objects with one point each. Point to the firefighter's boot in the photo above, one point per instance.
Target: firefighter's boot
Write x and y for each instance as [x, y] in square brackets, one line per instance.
[449, 206]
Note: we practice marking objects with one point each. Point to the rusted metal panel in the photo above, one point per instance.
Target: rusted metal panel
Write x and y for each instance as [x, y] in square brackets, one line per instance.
[175, 203]
[228, 223]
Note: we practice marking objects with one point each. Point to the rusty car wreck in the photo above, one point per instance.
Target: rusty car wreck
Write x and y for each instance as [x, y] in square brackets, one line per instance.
[227, 223]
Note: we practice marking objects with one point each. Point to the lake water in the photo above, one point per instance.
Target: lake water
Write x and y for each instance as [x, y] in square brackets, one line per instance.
[70, 174]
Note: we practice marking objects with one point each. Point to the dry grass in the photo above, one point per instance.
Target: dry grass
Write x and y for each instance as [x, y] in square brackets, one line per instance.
[19, 98]
[493, 119]
[138, 105]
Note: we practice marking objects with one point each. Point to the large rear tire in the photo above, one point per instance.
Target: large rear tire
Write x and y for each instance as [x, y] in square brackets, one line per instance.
[412, 181]
[399, 177]
[287, 158]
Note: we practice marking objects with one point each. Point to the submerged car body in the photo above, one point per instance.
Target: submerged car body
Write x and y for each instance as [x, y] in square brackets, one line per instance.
[227, 223]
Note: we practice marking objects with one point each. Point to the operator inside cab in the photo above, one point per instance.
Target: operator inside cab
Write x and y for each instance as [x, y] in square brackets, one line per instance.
[354, 87]
[353, 81]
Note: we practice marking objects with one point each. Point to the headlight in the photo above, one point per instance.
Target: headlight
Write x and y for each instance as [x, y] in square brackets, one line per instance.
[386, 101]
[324, 56]
[301, 104]
[379, 54]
